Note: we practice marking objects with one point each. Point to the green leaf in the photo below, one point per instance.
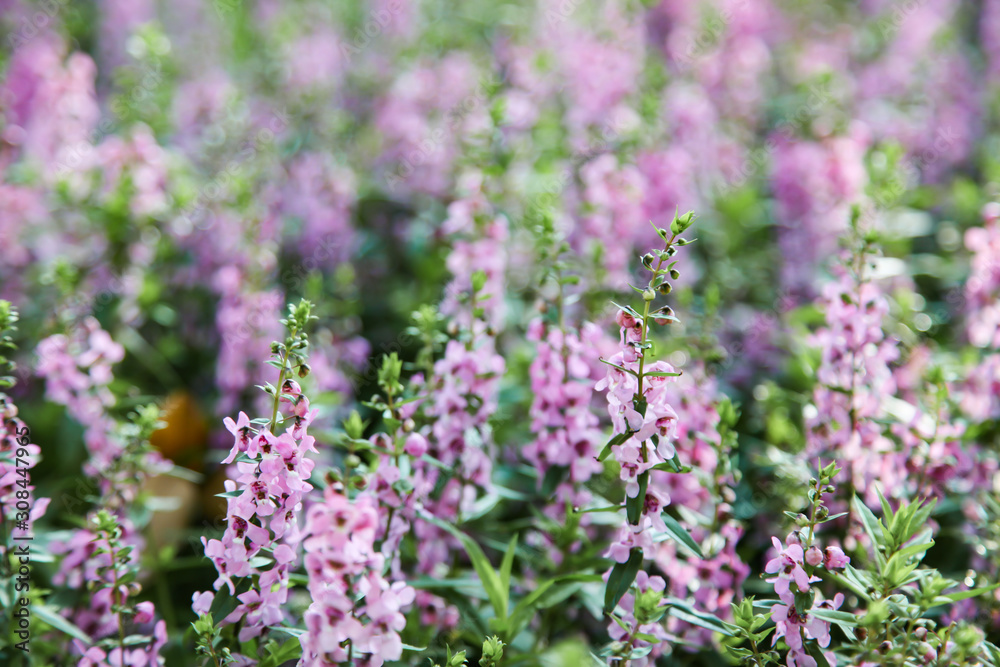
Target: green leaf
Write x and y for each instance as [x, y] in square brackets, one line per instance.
[279, 655]
[621, 578]
[505, 568]
[661, 374]
[913, 549]
[680, 535]
[633, 506]
[964, 595]
[50, 616]
[621, 368]
[833, 616]
[487, 575]
[546, 594]
[616, 440]
[680, 609]
[290, 631]
[872, 527]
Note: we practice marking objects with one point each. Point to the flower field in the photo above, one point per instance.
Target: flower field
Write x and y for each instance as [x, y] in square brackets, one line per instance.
[529, 333]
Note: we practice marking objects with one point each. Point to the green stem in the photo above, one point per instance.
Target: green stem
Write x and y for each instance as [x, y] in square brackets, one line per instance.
[116, 593]
[273, 424]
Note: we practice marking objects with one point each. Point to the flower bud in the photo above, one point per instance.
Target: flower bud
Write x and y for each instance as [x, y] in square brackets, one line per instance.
[416, 445]
[814, 556]
[624, 319]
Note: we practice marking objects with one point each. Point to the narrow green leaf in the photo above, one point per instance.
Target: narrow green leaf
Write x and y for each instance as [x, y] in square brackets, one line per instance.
[872, 527]
[964, 595]
[505, 567]
[833, 616]
[279, 655]
[621, 368]
[633, 506]
[681, 535]
[50, 616]
[685, 612]
[913, 549]
[615, 440]
[621, 578]
[487, 575]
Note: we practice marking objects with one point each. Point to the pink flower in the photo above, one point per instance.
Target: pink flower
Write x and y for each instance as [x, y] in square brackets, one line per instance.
[788, 565]
[201, 603]
[241, 432]
[835, 558]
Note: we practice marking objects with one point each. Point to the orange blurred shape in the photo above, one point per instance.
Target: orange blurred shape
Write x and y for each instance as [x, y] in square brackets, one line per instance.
[185, 436]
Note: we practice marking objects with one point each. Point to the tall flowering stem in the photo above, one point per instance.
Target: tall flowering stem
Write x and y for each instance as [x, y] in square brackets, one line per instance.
[641, 415]
[265, 499]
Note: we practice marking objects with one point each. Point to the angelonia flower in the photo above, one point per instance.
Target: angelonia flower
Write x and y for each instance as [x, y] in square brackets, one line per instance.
[644, 607]
[707, 490]
[634, 455]
[265, 500]
[566, 432]
[17, 458]
[354, 610]
[793, 567]
[982, 289]
[110, 551]
[611, 199]
[321, 196]
[480, 247]
[77, 369]
[814, 183]
[853, 378]
[246, 322]
[565, 429]
[643, 420]
[465, 386]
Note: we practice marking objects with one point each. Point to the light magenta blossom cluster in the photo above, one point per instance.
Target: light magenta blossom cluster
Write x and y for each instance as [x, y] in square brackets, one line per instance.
[711, 583]
[814, 185]
[565, 429]
[644, 584]
[247, 321]
[272, 474]
[466, 385]
[16, 462]
[345, 568]
[660, 419]
[139, 656]
[982, 289]
[77, 372]
[95, 560]
[481, 240]
[854, 377]
[793, 568]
